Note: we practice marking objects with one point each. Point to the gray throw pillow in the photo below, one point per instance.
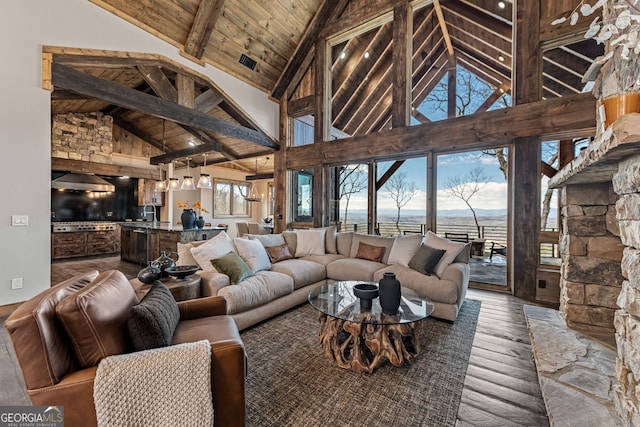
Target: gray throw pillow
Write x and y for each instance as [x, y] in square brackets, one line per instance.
[426, 259]
[152, 322]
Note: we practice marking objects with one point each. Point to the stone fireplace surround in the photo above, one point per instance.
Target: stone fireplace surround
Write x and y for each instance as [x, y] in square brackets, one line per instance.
[600, 248]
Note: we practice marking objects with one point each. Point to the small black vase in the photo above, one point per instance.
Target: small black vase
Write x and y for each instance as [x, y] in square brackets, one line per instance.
[389, 290]
[200, 222]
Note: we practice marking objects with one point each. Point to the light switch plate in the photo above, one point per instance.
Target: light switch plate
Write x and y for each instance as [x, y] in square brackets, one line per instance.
[19, 220]
[16, 283]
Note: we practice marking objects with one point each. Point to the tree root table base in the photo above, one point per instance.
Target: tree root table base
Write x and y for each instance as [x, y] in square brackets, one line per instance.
[361, 346]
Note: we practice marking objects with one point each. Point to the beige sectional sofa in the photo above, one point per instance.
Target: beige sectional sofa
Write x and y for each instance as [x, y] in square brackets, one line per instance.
[275, 287]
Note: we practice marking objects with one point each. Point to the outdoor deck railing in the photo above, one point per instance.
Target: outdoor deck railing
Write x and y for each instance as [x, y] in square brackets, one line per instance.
[491, 233]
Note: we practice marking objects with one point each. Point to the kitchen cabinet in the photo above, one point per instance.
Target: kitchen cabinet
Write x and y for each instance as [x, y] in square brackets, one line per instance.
[84, 243]
[147, 194]
[143, 243]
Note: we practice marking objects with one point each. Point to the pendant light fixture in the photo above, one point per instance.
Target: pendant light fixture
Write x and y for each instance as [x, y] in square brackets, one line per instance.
[205, 179]
[161, 185]
[174, 184]
[253, 193]
[187, 180]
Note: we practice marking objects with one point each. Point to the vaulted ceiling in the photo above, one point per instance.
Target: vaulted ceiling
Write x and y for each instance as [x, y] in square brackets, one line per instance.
[269, 44]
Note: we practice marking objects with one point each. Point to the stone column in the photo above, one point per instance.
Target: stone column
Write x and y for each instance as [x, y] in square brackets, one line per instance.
[82, 136]
[591, 252]
[626, 183]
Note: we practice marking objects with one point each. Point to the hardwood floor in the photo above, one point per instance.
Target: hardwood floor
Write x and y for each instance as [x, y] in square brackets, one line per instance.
[501, 386]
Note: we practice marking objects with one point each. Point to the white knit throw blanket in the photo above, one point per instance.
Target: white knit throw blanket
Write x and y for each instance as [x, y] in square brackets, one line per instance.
[169, 386]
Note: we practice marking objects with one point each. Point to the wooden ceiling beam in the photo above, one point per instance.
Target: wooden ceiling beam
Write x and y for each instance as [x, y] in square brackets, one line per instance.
[388, 174]
[186, 152]
[547, 170]
[443, 28]
[259, 176]
[558, 118]
[207, 100]
[65, 95]
[500, 90]
[81, 166]
[126, 97]
[158, 81]
[328, 9]
[203, 23]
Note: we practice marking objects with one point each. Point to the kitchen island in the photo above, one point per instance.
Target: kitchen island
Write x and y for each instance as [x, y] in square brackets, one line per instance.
[141, 242]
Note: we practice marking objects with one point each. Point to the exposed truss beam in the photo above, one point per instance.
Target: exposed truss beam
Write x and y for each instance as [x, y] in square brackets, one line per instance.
[158, 81]
[328, 9]
[118, 121]
[443, 28]
[123, 96]
[203, 23]
[388, 174]
[258, 176]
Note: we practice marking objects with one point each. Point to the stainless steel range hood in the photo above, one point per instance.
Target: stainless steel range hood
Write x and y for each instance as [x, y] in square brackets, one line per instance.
[81, 181]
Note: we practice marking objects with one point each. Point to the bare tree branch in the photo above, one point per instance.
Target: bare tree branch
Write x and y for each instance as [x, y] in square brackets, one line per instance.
[465, 187]
[401, 192]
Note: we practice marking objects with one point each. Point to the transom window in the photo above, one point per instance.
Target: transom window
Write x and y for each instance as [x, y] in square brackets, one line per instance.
[229, 199]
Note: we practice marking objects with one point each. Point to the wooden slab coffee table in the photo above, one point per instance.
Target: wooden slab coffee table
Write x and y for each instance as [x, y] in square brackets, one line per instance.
[361, 340]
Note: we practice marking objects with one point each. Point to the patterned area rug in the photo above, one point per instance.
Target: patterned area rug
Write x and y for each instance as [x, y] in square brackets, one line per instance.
[291, 382]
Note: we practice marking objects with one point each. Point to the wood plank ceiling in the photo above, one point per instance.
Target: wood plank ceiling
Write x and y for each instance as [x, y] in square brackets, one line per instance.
[279, 36]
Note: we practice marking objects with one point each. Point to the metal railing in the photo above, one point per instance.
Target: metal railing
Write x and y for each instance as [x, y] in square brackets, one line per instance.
[490, 233]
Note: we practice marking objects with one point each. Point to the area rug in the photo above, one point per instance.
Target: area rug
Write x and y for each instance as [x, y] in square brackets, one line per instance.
[290, 381]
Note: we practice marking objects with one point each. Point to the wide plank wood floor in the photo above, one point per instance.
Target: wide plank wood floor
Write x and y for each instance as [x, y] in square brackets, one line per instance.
[501, 386]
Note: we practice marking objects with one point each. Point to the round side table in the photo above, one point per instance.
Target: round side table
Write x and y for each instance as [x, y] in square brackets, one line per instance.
[181, 289]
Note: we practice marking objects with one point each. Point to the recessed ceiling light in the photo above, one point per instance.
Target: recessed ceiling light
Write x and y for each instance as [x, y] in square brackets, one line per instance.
[501, 90]
[191, 143]
[366, 55]
[501, 5]
[501, 58]
[343, 54]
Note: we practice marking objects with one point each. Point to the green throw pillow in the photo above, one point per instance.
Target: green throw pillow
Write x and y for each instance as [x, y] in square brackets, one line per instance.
[233, 266]
[426, 259]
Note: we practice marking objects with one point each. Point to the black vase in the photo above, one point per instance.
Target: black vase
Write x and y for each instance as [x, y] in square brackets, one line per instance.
[188, 218]
[200, 222]
[389, 290]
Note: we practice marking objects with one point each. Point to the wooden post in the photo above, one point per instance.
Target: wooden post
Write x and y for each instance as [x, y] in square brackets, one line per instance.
[402, 49]
[451, 88]
[372, 217]
[432, 188]
[280, 170]
[524, 245]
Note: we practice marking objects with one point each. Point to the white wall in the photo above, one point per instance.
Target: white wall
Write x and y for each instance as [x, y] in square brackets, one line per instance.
[258, 210]
[25, 175]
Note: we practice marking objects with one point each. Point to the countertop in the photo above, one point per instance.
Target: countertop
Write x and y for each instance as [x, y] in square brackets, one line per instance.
[165, 226]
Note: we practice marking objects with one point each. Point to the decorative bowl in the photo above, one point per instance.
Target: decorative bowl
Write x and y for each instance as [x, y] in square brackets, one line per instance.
[366, 292]
[181, 271]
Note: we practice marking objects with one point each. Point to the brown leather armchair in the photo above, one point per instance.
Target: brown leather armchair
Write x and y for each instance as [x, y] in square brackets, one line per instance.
[53, 375]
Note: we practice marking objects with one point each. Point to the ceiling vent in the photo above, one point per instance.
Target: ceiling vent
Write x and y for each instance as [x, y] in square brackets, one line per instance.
[247, 62]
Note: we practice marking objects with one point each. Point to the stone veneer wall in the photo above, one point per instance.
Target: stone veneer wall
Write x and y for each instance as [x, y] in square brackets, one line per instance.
[627, 319]
[82, 136]
[591, 251]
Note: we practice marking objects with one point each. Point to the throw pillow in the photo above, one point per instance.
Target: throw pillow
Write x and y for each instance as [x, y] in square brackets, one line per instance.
[292, 240]
[404, 248]
[369, 239]
[310, 242]
[425, 259]
[279, 253]
[270, 239]
[95, 317]
[329, 239]
[465, 254]
[152, 322]
[452, 250]
[184, 252]
[215, 247]
[369, 252]
[233, 266]
[253, 253]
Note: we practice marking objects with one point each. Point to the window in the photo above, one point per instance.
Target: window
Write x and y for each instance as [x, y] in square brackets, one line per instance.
[303, 195]
[229, 199]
